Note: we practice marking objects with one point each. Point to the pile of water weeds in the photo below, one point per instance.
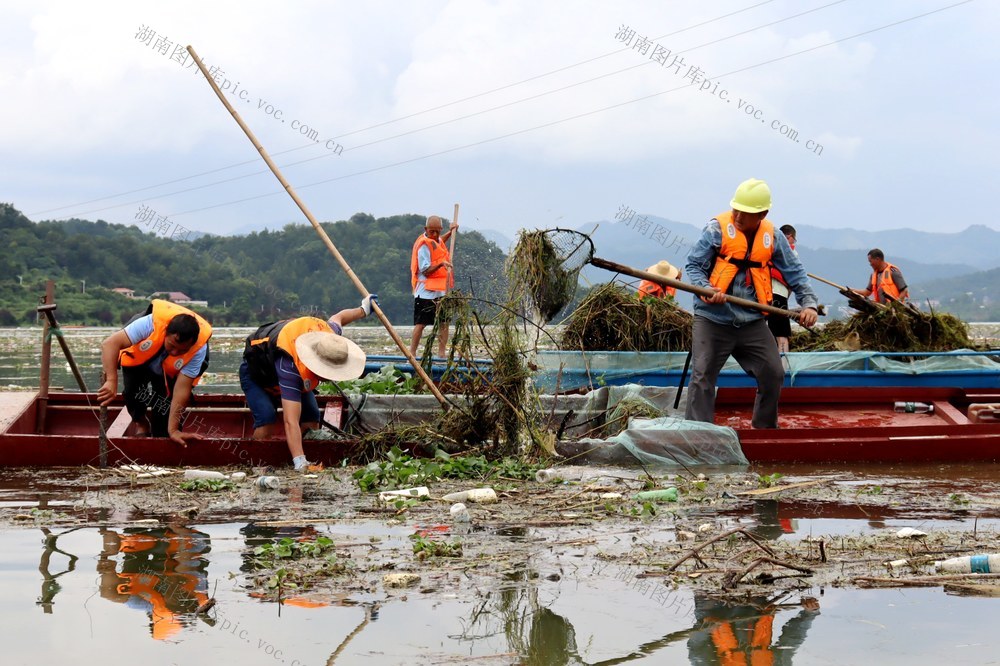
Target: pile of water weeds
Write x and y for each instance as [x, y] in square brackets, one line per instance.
[896, 328]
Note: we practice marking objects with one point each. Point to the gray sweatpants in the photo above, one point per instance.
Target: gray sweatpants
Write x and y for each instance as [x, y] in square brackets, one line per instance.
[754, 349]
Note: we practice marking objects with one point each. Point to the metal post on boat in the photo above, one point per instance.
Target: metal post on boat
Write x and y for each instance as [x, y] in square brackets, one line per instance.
[42, 400]
[48, 310]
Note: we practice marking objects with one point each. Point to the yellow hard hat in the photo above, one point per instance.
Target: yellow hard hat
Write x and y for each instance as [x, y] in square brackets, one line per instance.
[752, 196]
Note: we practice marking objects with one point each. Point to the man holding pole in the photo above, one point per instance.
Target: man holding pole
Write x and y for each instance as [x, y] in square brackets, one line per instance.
[734, 256]
[886, 282]
[431, 276]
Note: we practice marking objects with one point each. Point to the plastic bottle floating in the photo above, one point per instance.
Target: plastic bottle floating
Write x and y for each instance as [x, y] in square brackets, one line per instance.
[970, 564]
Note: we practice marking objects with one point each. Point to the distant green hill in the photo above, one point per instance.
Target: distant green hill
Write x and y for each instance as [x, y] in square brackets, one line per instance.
[246, 280]
[971, 297]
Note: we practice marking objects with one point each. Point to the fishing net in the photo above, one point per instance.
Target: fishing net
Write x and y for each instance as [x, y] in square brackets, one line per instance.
[612, 318]
[543, 268]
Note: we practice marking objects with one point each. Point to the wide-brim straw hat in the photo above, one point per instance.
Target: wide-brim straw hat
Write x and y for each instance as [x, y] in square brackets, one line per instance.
[664, 269]
[330, 356]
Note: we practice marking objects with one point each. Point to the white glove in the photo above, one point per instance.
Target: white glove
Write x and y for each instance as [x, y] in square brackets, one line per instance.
[366, 303]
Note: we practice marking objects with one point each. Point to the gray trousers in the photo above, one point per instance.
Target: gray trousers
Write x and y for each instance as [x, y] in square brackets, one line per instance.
[754, 349]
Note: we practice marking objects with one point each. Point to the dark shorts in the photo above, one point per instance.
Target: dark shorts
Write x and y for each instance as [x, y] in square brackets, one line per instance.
[781, 327]
[424, 311]
[264, 405]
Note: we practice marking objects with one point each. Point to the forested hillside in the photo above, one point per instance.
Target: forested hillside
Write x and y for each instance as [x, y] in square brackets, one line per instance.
[245, 279]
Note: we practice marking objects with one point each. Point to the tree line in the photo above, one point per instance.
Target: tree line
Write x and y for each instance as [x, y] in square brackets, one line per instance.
[246, 280]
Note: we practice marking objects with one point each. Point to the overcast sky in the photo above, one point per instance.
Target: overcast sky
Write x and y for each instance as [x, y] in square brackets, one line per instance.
[528, 114]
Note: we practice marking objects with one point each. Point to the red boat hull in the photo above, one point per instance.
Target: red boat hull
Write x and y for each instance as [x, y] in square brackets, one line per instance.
[69, 436]
[817, 425]
[858, 425]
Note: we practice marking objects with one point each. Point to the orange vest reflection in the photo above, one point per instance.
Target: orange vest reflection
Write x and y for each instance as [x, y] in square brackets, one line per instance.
[163, 572]
[741, 634]
[757, 653]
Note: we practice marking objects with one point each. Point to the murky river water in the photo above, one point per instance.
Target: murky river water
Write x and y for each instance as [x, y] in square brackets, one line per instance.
[118, 593]
[112, 591]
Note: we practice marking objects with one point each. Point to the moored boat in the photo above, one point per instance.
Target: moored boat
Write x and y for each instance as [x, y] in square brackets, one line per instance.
[816, 425]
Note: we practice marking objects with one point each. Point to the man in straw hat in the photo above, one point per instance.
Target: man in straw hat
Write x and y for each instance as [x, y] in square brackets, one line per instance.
[286, 360]
[733, 256]
[665, 269]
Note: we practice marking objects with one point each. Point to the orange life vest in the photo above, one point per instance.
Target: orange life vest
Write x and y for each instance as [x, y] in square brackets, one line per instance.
[141, 352]
[734, 255]
[883, 281]
[649, 289]
[263, 346]
[439, 280]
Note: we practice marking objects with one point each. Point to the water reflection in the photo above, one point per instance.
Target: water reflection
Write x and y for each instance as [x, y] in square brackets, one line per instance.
[50, 584]
[723, 631]
[770, 525]
[534, 631]
[743, 633]
[163, 572]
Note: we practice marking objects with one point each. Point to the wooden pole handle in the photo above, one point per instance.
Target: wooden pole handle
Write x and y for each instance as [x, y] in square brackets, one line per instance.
[684, 286]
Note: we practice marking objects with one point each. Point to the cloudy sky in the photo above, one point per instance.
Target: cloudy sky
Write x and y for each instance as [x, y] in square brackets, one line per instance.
[859, 113]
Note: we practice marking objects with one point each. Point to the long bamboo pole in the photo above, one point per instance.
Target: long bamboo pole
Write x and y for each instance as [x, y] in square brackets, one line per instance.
[684, 286]
[319, 230]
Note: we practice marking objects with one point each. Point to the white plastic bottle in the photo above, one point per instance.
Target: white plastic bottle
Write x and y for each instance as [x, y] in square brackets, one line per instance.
[914, 407]
[477, 495]
[203, 474]
[460, 513]
[545, 475]
[405, 493]
[970, 564]
[268, 483]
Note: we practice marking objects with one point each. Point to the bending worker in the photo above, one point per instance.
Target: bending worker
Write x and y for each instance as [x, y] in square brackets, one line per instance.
[431, 277]
[886, 279]
[162, 355]
[781, 327]
[285, 361]
[649, 289]
[734, 255]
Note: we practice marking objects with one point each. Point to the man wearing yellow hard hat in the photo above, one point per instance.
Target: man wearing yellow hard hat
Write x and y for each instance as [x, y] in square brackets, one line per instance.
[734, 256]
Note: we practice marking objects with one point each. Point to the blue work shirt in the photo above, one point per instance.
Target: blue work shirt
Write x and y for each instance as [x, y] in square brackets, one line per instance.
[701, 261]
